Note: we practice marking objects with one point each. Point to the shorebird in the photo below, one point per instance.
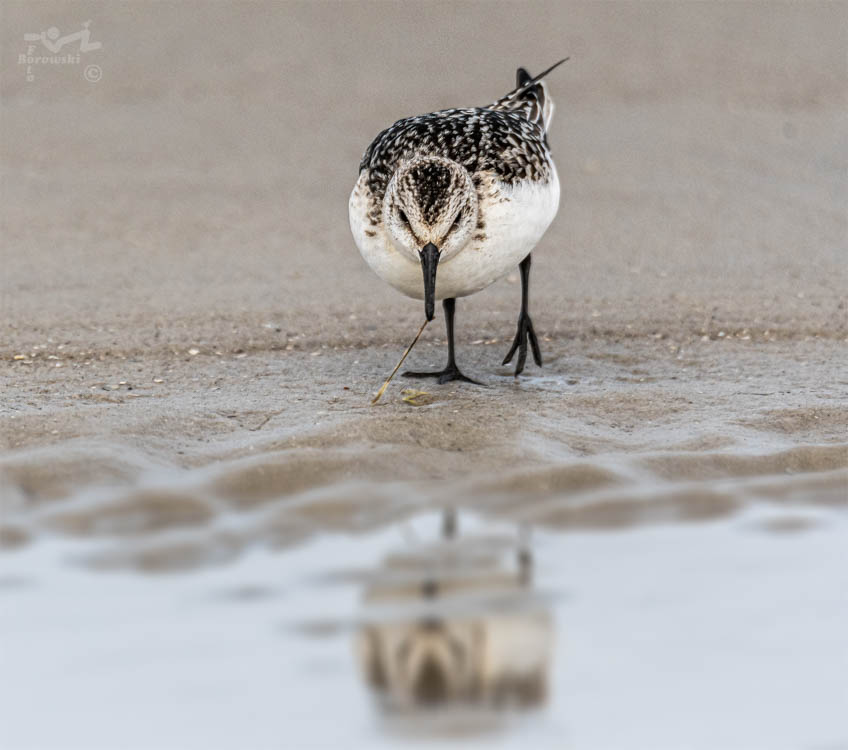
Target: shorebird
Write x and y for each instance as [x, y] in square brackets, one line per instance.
[463, 195]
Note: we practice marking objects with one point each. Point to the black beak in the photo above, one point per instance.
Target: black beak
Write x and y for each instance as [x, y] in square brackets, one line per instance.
[429, 260]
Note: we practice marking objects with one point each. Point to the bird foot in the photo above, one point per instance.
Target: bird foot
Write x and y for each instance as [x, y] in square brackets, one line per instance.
[451, 372]
[524, 334]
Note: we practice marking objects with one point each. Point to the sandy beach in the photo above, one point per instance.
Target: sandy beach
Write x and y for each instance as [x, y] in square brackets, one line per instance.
[190, 342]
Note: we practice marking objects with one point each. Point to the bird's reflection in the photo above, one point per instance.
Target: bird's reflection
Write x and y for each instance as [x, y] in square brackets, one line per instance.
[456, 623]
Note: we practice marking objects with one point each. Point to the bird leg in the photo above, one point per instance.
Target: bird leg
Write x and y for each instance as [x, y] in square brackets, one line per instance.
[451, 371]
[525, 331]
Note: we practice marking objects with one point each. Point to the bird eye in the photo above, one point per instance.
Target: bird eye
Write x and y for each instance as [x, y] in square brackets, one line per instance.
[403, 217]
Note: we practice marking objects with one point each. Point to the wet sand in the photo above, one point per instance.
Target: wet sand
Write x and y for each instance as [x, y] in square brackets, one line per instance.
[614, 434]
[190, 339]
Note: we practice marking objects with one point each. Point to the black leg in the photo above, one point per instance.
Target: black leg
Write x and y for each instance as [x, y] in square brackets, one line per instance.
[525, 331]
[449, 523]
[451, 372]
[525, 556]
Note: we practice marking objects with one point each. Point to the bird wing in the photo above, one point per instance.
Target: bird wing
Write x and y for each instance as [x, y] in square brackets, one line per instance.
[483, 139]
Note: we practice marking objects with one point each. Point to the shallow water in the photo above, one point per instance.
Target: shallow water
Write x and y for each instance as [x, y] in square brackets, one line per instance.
[723, 634]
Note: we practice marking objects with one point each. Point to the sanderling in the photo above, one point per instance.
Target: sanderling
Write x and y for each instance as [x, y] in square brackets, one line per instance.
[467, 192]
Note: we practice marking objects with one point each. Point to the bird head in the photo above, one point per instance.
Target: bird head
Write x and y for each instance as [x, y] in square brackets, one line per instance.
[430, 213]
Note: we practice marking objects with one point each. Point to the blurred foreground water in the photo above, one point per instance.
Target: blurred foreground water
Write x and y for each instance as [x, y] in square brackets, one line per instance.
[719, 634]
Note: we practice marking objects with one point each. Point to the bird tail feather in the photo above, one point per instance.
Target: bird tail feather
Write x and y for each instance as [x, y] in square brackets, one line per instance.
[530, 98]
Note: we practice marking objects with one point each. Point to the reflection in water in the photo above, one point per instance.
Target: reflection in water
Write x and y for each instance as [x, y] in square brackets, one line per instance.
[456, 624]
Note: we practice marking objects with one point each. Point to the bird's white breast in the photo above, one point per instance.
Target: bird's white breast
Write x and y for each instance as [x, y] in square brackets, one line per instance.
[515, 217]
